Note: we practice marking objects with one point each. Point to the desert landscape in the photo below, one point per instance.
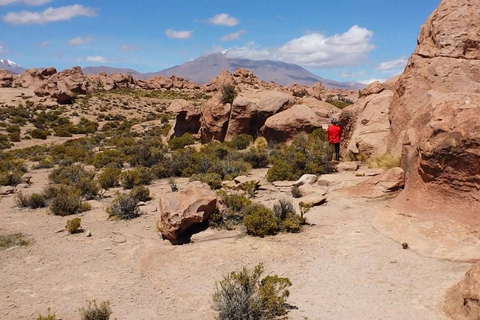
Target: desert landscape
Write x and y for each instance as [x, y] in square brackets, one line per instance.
[129, 197]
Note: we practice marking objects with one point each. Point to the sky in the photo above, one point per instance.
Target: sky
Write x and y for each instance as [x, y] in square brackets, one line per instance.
[343, 40]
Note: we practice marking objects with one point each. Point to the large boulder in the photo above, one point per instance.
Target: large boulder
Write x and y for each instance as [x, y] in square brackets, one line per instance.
[249, 112]
[366, 124]
[6, 79]
[186, 212]
[33, 78]
[463, 300]
[214, 120]
[434, 116]
[187, 118]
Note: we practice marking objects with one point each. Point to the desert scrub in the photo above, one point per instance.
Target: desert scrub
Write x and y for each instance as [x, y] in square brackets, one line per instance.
[245, 295]
[214, 180]
[241, 141]
[65, 200]
[386, 161]
[13, 240]
[259, 220]
[109, 178]
[307, 154]
[232, 215]
[181, 142]
[124, 207]
[74, 226]
[141, 193]
[33, 201]
[130, 179]
[114, 158]
[228, 94]
[93, 311]
[39, 134]
[288, 219]
[48, 316]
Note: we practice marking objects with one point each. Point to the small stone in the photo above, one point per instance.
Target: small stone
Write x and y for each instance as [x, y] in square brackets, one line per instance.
[88, 233]
[60, 230]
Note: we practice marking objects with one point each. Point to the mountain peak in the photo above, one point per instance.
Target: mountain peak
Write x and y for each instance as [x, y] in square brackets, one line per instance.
[11, 66]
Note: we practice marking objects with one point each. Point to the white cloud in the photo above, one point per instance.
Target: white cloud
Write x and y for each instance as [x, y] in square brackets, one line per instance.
[27, 2]
[315, 50]
[351, 74]
[399, 63]
[129, 48]
[371, 80]
[96, 59]
[233, 36]
[49, 15]
[79, 40]
[178, 34]
[223, 19]
[1, 47]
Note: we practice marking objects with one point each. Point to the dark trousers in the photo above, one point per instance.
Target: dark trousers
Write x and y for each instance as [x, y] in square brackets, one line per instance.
[337, 151]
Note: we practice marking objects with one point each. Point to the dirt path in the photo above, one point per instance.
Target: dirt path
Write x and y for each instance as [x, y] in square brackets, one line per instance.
[341, 267]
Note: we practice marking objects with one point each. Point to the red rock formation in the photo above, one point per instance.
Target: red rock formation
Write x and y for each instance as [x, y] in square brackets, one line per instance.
[6, 79]
[187, 118]
[463, 300]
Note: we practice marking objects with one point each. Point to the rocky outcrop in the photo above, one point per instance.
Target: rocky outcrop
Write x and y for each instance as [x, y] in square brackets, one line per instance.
[187, 119]
[64, 85]
[385, 184]
[283, 126]
[186, 212]
[366, 124]
[373, 88]
[33, 78]
[6, 79]
[463, 300]
[113, 81]
[434, 114]
[214, 120]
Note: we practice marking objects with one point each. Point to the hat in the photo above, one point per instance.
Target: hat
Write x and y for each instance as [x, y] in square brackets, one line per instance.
[334, 121]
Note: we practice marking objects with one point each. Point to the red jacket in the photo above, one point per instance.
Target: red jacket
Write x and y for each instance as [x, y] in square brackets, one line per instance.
[333, 133]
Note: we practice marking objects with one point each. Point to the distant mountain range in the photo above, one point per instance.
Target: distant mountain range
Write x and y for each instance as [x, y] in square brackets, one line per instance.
[205, 68]
[11, 66]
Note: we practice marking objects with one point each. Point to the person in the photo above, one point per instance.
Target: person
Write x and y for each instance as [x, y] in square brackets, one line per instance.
[333, 134]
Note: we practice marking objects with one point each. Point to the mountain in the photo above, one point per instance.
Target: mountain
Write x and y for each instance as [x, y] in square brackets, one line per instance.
[11, 66]
[203, 69]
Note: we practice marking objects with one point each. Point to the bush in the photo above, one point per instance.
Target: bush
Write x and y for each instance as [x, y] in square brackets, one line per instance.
[181, 142]
[74, 226]
[244, 295]
[296, 192]
[34, 201]
[124, 206]
[228, 94]
[241, 141]
[256, 158]
[109, 178]
[386, 161]
[214, 180]
[259, 220]
[14, 240]
[96, 312]
[287, 218]
[130, 179]
[71, 174]
[48, 316]
[11, 178]
[39, 134]
[114, 158]
[67, 201]
[141, 193]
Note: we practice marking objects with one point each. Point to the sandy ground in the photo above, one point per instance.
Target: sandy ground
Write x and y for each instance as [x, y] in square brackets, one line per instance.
[341, 266]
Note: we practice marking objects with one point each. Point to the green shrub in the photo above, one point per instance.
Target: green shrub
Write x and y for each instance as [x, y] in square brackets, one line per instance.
[109, 178]
[296, 192]
[259, 220]
[4, 142]
[287, 218]
[74, 226]
[386, 161]
[48, 316]
[214, 180]
[44, 164]
[130, 179]
[11, 178]
[146, 175]
[34, 201]
[39, 134]
[71, 174]
[233, 213]
[88, 187]
[181, 142]
[124, 206]
[244, 295]
[141, 193]
[228, 94]
[14, 137]
[14, 240]
[14, 128]
[96, 312]
[241, 141]
[67, 201]
[256, 158]
[114, 158]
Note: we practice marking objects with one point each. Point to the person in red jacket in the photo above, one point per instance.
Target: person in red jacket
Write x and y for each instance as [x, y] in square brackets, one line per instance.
[333, 133]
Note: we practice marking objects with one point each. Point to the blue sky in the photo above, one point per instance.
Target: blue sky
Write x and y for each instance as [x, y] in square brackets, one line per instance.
[344, 40]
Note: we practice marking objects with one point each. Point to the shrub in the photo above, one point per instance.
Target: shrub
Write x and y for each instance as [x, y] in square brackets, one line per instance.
[88, 187]
[241, 141]
[71, 174]
[146, 175]
[39, 134]
[109, 177]
[214, 180]
[386, 161]
[74, 226]
[259, 220]
[130, 179]
[287, 218]
[181, 142]
[228, 94]
[48, 316]
[11, 178]
[96, 312]
[14, 137]
[67, 201]
[34, 201]
[141, 193]
[124, 206]
[233, 213]
[296, 192]
[114, 158]
[4, 142]
[282, 209]
[173, 184]
[256, 158]
[244, 295]
[13, 240]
